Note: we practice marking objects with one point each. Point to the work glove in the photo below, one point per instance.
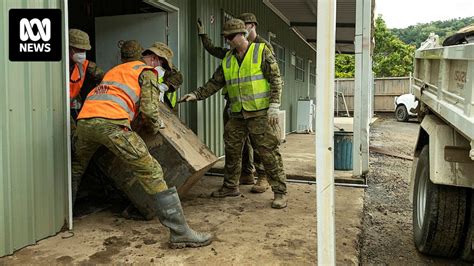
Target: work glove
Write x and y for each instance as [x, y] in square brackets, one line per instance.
[272, 113]
[200, 27]
[163, 88]
[188, 97]
[173, 79]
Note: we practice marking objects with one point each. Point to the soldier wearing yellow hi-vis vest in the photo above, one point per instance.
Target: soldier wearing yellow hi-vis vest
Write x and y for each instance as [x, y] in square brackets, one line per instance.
[250, 159]
[251, 76]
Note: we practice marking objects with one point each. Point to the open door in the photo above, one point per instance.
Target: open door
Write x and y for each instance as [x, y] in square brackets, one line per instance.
[146, 28]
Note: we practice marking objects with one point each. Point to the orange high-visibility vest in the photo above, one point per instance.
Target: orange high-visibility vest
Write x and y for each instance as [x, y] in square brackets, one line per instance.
[118, 95]
[76, 80]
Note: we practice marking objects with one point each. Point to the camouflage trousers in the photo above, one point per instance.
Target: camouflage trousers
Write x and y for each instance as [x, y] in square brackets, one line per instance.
[250, 157]
[125, 144]
[266, 142]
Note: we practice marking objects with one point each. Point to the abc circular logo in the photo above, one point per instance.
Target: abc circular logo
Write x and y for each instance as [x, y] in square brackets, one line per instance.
[35, 35]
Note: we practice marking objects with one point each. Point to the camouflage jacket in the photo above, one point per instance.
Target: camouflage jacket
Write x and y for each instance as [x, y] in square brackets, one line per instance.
[149, 100]
[220, 52]
[270, 71]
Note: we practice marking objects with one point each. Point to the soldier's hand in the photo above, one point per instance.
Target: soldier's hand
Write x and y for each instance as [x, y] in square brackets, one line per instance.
[188, 97]
[272, 113]
[200, 28]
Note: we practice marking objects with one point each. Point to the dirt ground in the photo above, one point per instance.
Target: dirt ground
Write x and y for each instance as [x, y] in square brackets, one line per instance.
[372, 225]
[247, 231]
[387, 224]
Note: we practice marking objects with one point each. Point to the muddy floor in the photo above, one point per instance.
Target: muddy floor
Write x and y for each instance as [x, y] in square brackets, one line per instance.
[387, 232]
[248, 231]
[372, 226]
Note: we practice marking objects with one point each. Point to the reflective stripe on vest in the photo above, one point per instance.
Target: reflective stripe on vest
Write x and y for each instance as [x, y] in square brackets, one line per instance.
[245, 84]
[171, 96]
[118, 95]
[76, 81]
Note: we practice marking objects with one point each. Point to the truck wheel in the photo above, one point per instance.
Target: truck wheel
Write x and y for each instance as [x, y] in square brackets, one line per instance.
[468, 251]
[401, 113]
[439, 213]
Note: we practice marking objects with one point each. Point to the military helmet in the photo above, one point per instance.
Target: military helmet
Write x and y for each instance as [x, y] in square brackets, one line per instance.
[79, 39]
[233, 26]
[130, 50]
[248, 18]
[162, 50]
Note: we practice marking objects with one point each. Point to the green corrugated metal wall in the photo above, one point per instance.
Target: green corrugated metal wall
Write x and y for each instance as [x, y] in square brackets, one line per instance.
[33, 157]
[205, 117]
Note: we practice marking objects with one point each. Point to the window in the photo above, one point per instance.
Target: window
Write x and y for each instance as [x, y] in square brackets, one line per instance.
[312, 74]
[299, 69]
[280, 57]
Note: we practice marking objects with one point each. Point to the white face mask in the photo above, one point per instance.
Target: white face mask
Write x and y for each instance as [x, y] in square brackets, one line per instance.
[160, 70]
[79, 57]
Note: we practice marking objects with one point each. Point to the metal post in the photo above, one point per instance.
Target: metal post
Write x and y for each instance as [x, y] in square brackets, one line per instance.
[356, 152]
[366, 83]
[326, 36]
[65, 25]
[337, 97]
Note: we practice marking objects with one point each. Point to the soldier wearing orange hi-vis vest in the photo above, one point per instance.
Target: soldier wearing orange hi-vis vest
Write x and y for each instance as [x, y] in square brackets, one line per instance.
[80, 70]
[129, 90]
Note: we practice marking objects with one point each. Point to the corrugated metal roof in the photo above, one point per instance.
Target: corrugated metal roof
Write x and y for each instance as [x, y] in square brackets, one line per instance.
[33, 150]
[302, 15]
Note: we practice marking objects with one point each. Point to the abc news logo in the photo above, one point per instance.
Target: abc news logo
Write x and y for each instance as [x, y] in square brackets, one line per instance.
[35, 35]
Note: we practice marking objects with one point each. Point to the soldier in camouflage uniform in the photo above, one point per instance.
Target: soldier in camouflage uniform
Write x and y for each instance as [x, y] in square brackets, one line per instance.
[131, 50]
[81, 70]
[128, 90]
[249, 157]
[251, 75]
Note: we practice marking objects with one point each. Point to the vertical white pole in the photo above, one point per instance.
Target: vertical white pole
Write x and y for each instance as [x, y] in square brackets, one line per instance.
[68, 115]
[356, 148]
[326, 36]
[366, 83]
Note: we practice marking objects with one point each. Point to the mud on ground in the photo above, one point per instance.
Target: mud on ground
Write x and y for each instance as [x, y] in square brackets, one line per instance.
[387, 224]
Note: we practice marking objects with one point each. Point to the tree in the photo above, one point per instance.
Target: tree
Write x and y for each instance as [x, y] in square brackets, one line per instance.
[391, 56]
[345, 66]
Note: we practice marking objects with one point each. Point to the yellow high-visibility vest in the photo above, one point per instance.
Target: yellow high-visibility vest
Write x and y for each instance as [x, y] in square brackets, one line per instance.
[171, 96]
[245, 84]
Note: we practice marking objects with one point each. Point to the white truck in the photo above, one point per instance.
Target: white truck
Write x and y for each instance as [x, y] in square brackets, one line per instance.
[442, 176]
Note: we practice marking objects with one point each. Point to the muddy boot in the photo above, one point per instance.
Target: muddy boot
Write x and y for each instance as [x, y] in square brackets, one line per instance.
[226, 192]
[261, 186]
[247, 179]
[171, 215]
[279, 201]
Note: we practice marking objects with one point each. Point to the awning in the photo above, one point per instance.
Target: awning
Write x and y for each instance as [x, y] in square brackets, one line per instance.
[300, 15]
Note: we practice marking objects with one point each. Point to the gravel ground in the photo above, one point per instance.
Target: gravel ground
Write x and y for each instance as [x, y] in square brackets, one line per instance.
[387, 235]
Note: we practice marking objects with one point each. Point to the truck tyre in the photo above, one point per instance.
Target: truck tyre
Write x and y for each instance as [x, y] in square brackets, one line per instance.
[439, 213]
[468, 251]
[401, 113]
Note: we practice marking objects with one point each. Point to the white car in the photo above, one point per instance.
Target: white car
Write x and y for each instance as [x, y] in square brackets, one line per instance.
[405, 107]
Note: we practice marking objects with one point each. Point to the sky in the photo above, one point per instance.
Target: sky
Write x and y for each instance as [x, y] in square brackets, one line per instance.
[403, 13]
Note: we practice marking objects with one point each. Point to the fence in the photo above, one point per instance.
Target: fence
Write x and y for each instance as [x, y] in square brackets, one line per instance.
[385, 90]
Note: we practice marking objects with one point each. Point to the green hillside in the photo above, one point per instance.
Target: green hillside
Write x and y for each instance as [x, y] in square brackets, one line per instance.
[418, 33]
